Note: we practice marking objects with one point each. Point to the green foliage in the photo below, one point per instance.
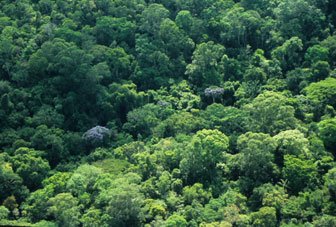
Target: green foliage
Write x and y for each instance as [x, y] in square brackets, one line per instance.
[205, 69]
[111, 29]
[304, 206]
[270, 196]
[64, 208]
[180, 96]
[83, 179]
[327, 130]
[195, 193]
[142, 121]
[288, 54]
[308, 24]
[156, 209]
[11, 183]
[45, 224]
[271, 113]
[256, 156]
[229, 120]
[325, 220]
[299, 173]
[112, 64]
[207, 148]
[321, 70]
[112, 166]
[4, 212]
[240, 27]
[123, 204]
[322, 92]
[316, 53]
[266, 216]
[179, 123]
[152, 17]
[291, 142]
[50, 140]
[330, 182]
[330, 43]
[176, 220]
[47, 116]
[215, 113]
[121, 99]
[30, 166]
[92, 217]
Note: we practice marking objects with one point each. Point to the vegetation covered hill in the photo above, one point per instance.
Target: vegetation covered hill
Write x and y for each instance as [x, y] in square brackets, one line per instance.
[167, 113]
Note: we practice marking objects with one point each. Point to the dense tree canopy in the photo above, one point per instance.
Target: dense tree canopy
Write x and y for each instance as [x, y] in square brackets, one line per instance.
[167, 113]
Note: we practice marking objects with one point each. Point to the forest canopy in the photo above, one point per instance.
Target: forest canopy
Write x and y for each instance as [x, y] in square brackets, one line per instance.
[167, 113]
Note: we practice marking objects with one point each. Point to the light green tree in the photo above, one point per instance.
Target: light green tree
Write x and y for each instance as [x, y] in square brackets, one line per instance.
[207, 148]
